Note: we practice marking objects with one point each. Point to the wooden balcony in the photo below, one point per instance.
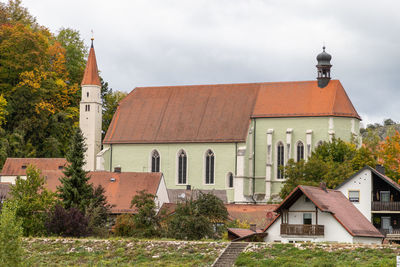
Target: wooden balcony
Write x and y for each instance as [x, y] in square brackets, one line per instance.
[302, 229]
[389, 206]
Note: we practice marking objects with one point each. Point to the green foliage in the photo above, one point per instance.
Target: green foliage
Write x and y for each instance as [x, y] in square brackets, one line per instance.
[124, 225]
[110, 104]
[332, 163]
[145, 220]
[98, 212]
[3, 111]
[195, 219]
[75, 190]
[11, 251]
[32, 201]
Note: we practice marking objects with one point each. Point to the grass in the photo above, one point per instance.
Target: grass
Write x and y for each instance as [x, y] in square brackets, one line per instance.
[119, 252]
[319, 255]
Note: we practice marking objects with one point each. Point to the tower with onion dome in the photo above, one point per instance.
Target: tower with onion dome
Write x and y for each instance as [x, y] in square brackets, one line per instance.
[324, 68]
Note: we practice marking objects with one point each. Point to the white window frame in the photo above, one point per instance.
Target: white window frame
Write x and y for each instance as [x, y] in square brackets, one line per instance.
[151, 158]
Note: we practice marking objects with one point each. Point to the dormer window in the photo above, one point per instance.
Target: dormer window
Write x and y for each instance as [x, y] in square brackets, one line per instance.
[60, 167]
[23, 167]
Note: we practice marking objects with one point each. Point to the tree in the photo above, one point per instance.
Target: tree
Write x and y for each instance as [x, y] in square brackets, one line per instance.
[389, 156]
[98, 212]
[194, 219]
[32, 201]
[110, 104]
[75, 190]
[67, 222]
[10, 236]
[3, 111]
[332, 163]
[146, 223]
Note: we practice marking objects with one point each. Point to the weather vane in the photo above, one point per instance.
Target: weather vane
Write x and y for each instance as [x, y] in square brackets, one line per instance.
[92, 34]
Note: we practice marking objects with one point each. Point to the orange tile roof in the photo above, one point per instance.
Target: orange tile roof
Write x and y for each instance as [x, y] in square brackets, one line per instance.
[17, 166]
[338, 205]
[219, 113]
[91, 74]
[261, 214]
[120, 188]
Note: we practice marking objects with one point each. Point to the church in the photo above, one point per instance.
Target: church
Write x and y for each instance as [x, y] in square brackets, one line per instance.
[232, 137]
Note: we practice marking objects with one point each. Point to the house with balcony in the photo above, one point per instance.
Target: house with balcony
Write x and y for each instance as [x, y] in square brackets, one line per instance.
[376, 196]
[318, 214]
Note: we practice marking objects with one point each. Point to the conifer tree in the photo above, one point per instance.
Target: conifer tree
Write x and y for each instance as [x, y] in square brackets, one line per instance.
[75, 190]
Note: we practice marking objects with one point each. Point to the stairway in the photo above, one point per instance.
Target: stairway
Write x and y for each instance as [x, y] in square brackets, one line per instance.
[228, 257]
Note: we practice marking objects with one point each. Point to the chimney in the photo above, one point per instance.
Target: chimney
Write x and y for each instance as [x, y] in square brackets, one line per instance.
[322, 185]
[117, 169]
[379, 168]
[253, 227]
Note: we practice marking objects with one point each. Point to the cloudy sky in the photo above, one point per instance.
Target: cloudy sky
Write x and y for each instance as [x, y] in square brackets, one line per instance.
[170, 42]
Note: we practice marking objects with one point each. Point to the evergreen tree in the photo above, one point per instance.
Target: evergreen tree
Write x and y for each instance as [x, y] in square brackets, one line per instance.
[75, 190]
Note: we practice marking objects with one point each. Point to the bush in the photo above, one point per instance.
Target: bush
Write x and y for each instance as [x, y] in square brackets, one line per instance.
[10, 236]
[69, 222]
[124, 225]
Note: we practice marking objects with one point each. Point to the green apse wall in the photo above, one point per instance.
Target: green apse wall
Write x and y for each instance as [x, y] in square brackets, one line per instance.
[137, 158]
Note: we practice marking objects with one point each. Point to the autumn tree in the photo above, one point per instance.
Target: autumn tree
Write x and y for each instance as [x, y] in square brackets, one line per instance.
[331, 162]
[389, 156]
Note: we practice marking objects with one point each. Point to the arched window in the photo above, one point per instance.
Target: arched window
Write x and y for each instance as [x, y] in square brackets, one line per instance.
[209, 167]
[280, 160]
[155, 161]
[300, 151]
[182, 167]
[230, 180]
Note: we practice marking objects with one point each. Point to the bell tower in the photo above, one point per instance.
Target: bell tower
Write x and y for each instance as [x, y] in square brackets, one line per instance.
[324, 68]
[90, 111]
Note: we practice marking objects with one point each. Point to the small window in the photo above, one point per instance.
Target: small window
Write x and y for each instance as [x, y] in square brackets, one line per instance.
[300, 151]
[23, 167]
[385, 196]
[87, 107]
[280, 160]
[87, 94]
[60, 167]
[230, 180]
[354, 196]
[307, 218]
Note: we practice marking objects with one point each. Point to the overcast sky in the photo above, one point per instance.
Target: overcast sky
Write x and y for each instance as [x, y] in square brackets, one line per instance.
[167, 42]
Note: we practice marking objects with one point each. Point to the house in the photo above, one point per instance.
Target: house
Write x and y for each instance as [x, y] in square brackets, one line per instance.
[318, 214]
[14, 167]
[232, 137]
[120, 187]
[376, 196]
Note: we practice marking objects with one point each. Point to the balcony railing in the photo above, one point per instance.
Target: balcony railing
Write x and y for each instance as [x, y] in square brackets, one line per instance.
[302, 229]
[390, 206]
[389, 231]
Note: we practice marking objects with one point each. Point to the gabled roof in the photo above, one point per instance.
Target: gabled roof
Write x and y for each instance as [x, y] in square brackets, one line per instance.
[219, 113]
[378, 174]
[120, 188]
[91, 74]
[17, 166]
[338, 205]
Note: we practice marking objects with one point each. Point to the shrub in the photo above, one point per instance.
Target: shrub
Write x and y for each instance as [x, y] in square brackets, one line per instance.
[124, 225]
[10, 236]
[69, 222]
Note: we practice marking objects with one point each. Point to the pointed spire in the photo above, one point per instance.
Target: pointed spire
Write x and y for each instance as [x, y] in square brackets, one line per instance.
[91, 75]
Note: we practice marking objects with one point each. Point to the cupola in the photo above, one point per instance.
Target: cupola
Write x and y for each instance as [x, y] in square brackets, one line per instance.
[324, 68]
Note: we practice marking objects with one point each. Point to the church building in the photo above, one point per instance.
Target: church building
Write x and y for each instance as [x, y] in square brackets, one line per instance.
[232, 137]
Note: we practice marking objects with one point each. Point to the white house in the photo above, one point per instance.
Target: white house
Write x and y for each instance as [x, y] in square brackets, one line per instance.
[376, 196]
[317, 214]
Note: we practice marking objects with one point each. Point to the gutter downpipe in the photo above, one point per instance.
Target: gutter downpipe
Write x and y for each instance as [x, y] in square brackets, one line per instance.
[254, 161]
[111, 158]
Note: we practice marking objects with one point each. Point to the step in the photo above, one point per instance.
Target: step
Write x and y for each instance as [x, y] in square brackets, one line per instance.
[228, 257]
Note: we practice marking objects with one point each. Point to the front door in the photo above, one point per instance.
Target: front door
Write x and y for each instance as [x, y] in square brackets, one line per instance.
[386, 223]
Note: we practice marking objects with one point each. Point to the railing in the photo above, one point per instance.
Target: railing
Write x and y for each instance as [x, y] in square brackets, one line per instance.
[302, 229]
[392, 206]
[389, 231]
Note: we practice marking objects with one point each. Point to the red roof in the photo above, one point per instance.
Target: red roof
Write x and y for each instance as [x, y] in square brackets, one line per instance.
[17, 166]
[338, 205]
[219, 113]
[91, 74]
[261, 214]
[241, 232]
[120, 188]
